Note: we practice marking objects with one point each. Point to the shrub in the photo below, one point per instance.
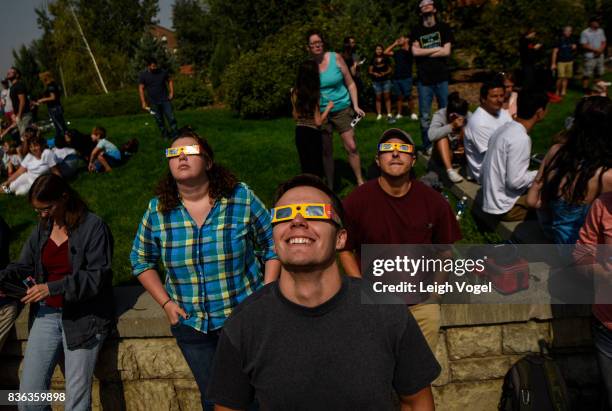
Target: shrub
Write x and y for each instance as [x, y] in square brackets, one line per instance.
[191, 92]
[116, 103]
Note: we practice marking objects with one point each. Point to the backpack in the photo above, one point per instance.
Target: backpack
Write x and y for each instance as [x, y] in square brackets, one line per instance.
[534, 383]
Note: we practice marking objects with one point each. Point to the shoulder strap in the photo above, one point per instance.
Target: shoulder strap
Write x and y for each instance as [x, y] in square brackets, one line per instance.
[523, 368]
[556, 386]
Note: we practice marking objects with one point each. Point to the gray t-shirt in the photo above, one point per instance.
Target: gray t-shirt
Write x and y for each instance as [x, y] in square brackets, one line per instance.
[592, 38]
[341, 355]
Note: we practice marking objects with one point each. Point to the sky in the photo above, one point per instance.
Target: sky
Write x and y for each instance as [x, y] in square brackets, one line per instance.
[19, 26]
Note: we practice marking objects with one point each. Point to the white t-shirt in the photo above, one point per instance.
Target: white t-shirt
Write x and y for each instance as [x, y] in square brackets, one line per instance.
[6, 100]
[38, 166]
[476, 138]
[505, 171]
[62, 153]
[592, 38]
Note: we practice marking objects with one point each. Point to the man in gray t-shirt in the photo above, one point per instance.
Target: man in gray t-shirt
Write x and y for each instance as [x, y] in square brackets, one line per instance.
[593, 41]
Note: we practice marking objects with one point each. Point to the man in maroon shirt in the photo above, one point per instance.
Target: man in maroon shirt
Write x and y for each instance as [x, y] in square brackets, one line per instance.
[396, 208]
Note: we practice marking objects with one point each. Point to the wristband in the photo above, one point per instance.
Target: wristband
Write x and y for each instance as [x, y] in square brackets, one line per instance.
[164, 304]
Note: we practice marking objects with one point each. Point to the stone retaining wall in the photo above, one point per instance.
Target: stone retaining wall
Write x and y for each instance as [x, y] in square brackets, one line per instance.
[143, 369]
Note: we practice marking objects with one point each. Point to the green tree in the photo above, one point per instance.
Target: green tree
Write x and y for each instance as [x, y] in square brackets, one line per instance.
[194, 32]
[24, 59]
[150, 46]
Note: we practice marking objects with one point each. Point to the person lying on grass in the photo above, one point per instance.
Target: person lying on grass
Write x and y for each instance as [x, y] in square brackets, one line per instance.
[105, 155]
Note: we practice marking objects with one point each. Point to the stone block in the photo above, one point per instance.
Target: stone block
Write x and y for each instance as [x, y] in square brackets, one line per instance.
[467, 342]
[481, 396]
[136, 359]
[442, 357]
[523, 338]
[147, 395]
[188, 395]
[477, 369]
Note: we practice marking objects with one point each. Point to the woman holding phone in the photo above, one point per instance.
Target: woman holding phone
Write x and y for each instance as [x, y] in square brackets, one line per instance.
[337, 85]
[66, 266]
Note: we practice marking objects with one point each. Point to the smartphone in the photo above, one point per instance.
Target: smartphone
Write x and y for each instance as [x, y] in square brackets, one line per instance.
[356, 120]
[29, 282]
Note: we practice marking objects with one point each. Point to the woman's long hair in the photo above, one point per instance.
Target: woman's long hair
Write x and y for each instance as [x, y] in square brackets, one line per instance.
[307, 89]
[587, 150]
[51, 188]
[221, 181]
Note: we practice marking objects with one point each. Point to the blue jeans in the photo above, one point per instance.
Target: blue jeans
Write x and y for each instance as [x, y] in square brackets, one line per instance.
[602, 337]
[162, 110]
[57, 117]
[45, 344]
[426, 96]
[198, 349]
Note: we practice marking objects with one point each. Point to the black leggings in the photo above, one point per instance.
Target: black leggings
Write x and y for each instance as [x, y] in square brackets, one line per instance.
[309, 142]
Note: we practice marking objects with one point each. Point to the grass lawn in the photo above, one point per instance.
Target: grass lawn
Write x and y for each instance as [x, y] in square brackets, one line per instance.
[261, 152]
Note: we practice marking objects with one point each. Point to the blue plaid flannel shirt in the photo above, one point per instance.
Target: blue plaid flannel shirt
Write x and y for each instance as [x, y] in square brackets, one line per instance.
[211, 269]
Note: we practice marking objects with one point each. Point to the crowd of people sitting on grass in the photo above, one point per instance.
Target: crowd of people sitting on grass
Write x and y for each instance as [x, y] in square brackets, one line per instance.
[256, 299]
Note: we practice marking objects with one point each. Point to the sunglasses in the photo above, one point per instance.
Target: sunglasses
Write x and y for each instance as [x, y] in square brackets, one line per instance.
[42, 210]
[187, 150]
[309, 211]
[401, 147]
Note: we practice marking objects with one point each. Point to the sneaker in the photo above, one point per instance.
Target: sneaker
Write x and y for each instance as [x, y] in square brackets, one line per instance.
[379, 117]
[453, 176]
[399, 116]
[391, 120]
[414, 117]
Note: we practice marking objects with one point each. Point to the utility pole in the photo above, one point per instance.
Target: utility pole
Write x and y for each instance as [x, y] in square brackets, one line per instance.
[88, 49]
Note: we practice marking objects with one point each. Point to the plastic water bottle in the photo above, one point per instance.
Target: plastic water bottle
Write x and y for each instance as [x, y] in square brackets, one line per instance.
[461, 207]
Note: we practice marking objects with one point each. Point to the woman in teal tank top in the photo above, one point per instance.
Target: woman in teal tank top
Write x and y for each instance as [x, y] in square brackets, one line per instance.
[337, 85]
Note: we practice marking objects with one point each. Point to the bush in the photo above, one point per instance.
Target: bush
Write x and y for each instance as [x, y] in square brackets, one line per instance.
[116, 103]
[191, 92]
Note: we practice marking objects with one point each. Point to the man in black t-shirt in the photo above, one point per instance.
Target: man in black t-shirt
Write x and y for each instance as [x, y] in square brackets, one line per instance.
[307, 342]
[402, 74]
[431, 47]
[160, 91]
[19, 98]
[563, 56]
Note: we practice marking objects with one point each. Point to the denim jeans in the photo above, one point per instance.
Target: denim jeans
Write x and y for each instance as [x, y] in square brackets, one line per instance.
[602, 337]
[57, 117]
[45, 344]
[198, 349]
[162, 110]
[426, 96]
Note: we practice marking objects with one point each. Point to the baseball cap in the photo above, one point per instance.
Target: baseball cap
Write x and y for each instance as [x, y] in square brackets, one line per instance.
[424, 3]
[396, 133]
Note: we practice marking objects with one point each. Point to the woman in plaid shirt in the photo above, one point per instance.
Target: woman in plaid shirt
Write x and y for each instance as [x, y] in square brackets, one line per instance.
[213, 236]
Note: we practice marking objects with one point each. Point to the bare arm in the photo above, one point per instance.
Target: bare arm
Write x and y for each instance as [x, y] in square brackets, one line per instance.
[350, 84]
[22, 100]
[272, 271]
[55, 170]
[143, 101]
[421, 401]
[349, 263]
[319, 117]
[420, 52]
[389, 50]
[442, 51]
[14, 176]
[222, 408]
[46, 99]
[534, 194]
[151, 282]
[553, 63]
[170, 88]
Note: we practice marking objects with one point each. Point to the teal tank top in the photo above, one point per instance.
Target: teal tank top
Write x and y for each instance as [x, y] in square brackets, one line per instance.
[332, 87]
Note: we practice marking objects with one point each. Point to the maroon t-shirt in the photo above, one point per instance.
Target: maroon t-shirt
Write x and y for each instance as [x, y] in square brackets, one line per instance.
[56, 263]
[422, 216]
